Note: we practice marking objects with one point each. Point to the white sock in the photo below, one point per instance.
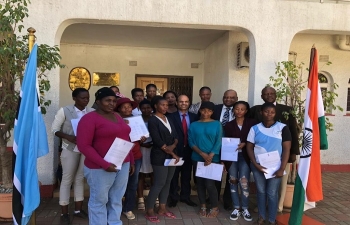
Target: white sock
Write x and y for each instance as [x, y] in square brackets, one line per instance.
[77, 211]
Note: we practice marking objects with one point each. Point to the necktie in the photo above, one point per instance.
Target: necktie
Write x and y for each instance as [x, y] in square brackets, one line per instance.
[184, 127]
[226, 117]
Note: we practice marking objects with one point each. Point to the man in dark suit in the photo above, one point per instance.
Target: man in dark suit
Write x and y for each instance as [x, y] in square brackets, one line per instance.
[283, 115]
[181, 120]
[224, 113]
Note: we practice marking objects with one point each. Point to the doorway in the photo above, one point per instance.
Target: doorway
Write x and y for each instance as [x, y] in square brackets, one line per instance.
[178, 84]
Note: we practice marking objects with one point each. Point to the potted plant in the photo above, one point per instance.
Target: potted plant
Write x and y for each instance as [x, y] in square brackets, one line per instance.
[290, 85]
[13, 55]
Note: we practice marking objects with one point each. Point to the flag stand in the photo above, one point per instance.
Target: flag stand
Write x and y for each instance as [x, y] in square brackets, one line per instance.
[283, 220]
[31, 41]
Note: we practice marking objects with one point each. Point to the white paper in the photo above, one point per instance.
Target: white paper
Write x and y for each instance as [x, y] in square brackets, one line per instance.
[228, 149]
[118, 152]
[213, 171]
[75, 125]
[138, 128]
[171, 162]
[272, 162]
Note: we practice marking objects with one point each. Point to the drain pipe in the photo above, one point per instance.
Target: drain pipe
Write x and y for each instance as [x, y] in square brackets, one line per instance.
[342, 42]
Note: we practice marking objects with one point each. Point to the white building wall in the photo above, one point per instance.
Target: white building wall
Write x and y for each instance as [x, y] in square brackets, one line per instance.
[114, 59]
[270, 25]
[216, 67]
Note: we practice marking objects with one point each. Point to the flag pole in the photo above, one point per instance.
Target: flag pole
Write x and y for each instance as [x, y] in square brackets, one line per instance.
[31, 42]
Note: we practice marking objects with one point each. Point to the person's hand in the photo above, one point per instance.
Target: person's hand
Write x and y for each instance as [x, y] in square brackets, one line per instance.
[177, 158]
[279, 173]
[240, 146]
[143, 139]
[206, 163]
[292, 158]
[126, 121]
[205, 156]
[131, 170]
[147, 145]
[261, 168]
[112, 168]
[71, 138]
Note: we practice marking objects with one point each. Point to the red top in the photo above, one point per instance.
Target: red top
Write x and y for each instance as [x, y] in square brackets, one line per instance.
[96, 135]
[136, 151]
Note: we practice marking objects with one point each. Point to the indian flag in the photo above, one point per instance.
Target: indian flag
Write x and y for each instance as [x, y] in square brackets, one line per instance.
[308, 184]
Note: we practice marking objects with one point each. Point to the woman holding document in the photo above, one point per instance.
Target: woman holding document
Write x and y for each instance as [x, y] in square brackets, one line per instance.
[125, 107]
[164, 138]
[71, 159]
[96, 133]
[204, 138]
[239, 170]
[263, 141]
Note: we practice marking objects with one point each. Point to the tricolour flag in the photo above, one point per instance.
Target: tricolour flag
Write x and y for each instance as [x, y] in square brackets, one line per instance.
[30, 142]
[308, 184]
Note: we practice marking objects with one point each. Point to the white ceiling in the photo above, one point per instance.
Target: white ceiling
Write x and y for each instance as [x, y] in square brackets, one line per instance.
[139, 36]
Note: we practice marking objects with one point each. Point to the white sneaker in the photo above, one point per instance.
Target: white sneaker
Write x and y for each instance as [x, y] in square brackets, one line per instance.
[246, 215]
[130, 215]
[235, 214]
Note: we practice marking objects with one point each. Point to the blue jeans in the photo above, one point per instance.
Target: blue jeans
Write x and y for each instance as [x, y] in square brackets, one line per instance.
[130, 194]
[239, 173]
[267, 189]
[106, 193]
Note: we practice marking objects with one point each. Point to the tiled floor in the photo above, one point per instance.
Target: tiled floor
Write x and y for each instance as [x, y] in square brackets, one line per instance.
[334, 209]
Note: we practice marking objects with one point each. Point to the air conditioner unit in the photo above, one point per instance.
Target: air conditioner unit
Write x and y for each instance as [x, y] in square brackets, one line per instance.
[243, 55]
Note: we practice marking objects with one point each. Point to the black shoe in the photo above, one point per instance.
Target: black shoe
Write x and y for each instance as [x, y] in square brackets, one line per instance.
[172, 203]
[189, 202]
[228, 207]
[65, 220]
[82, 214]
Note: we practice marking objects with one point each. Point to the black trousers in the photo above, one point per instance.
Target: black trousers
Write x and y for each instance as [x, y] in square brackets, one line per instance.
[227, 192]
[186, 172]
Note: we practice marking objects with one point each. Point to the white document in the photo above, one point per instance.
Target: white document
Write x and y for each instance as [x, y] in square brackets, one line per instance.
[118, 152]
[138, 128]
[213, 171]
[75, 125]
[272, 162]
[229, 149]
[171, 162]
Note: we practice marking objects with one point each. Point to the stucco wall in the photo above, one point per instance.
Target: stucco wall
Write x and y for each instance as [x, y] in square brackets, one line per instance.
[269, 25]
[111, 59]
[216, 67]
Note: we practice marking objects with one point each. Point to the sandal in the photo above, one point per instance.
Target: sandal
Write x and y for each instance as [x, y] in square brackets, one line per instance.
[141, 204]
[169, 215]
[152, 219]
[203, 212]
[213, 213]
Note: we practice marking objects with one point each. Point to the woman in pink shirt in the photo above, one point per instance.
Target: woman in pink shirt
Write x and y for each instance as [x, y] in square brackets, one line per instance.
[96, 133]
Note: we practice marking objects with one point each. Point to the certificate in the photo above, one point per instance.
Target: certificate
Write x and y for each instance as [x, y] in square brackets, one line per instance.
[213, 171]
[272, 162]
[138, 128]
[118, 152]
[171, 162]
[229, 149]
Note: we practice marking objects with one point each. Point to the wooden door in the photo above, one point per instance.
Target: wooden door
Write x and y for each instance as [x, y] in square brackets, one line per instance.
[160, 82]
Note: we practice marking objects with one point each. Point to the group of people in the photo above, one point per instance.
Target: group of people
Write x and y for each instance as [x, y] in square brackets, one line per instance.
[178, 130]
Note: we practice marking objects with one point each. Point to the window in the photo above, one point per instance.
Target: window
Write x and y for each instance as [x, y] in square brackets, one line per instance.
[326, 82]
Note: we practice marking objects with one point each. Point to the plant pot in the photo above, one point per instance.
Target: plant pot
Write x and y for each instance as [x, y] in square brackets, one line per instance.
[288, 199]
[6, 205]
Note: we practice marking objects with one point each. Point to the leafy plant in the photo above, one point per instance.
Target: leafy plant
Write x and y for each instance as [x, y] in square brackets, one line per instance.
[291, 90]
[14, 53]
